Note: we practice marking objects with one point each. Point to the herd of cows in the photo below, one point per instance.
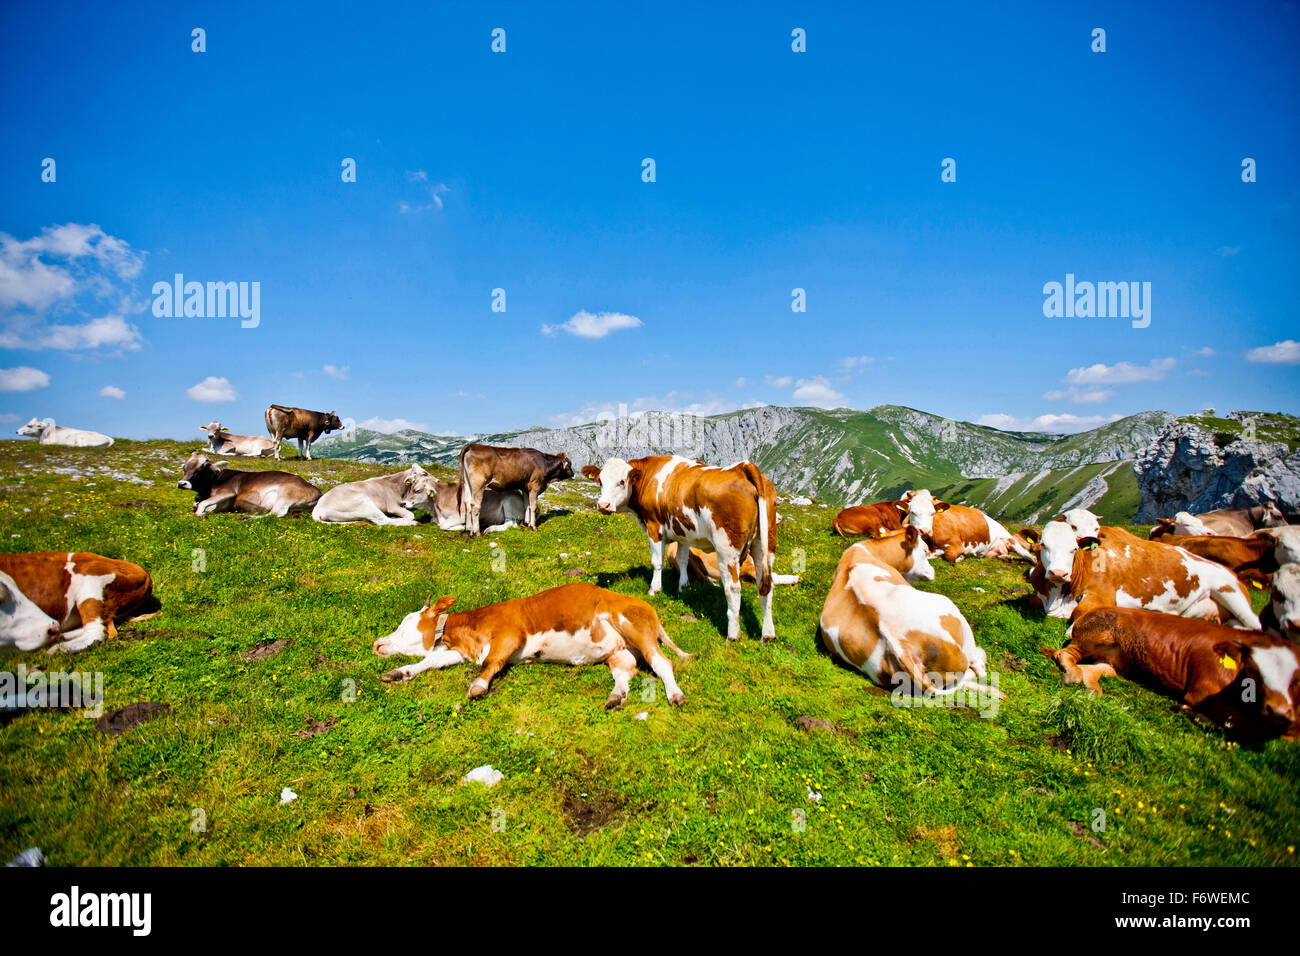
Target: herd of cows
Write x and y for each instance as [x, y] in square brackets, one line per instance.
[1172, 611]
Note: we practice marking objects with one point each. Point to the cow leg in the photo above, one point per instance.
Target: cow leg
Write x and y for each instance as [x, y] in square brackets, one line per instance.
[215, 503]
[657, 564]
[763, 572]
[623, 666]
[663, 669]
[96, 622]
[308, 446]
[1237, 606]
[438, 658]
[730, 572]
[683, 560]
[278, 440]
[1091, 674]
[532, 508]
[498, 654]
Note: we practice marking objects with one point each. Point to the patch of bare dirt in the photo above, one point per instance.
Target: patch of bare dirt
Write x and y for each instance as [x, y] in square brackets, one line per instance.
[117, 722]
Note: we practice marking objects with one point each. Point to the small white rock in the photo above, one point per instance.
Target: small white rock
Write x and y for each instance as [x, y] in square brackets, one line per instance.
[287, 796]
[642, 716]
[484, 775]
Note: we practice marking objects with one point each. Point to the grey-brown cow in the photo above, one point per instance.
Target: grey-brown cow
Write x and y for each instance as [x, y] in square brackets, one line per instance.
[287, 422]
[217, 488]
[502, 469]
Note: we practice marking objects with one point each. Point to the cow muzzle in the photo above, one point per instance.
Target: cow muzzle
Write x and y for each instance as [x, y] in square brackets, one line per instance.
[1057, 574]
[604, 507]
[183, 484]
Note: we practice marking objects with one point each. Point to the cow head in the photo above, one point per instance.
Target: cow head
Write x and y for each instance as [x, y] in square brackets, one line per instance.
[418, 488]
[1083, 521]
[921, 510]
[1275, 669]
[35, 427]
[331, 423]
[1285, 601]
[1270, 516]
[416, 635]
[561, 468]
[22, 624]
[216, 433]
[1286, 544]
[198, 473]
[618, 481]
[918, 551]
[1057, 546]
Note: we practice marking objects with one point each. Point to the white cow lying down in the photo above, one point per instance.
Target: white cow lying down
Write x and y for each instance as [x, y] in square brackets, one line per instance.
[499, 509]
[48, 433]
[377, 500]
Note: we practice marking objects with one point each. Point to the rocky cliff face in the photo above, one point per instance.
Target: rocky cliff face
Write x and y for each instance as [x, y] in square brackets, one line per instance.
[1188, 468]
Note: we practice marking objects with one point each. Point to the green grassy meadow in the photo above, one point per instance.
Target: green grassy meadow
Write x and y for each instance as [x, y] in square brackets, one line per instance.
[731, 778]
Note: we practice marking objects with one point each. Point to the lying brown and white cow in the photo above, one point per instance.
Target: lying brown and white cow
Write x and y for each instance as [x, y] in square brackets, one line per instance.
[1250, 559]
[1054, 594]
[80, 594]
[285, 422]
[1281, 616]
[47, 433]
[703, 566]
[870, 520]
[218, 488]
[1117, 569]
[1234, 522]
[1240, 679]
[503, 469]
[379, 500]
[499, 510]
[572, 624]
[247, 446]
[960, 532]
[730, 511]
[875, 621]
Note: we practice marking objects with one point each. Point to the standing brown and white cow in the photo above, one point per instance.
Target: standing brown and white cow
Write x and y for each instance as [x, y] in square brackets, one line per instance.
[287, 422]
[1117, 569]
[731, 511]
[502, 469]
[80, 593]
[572, 624]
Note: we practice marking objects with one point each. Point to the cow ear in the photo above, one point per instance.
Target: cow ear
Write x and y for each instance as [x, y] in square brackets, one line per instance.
[1088, 543]
[1228, 658]
[1030, 535]
[910, 536]
[443, 604]
[633, 477]
[591, 473]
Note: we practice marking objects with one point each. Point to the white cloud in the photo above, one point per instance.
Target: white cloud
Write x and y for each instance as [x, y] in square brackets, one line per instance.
[1279, 353]
[76, 269]
[24, 378]
[1120, 373]
[212, 389]
[1081, 396]
[817, 391]
[1045, 423]
[112, 391]
[335, 372]
[436, 192]
[779, 382]
[1204, 352]
[597, 325]
[742, 382]
[390, 425]
[855, 361]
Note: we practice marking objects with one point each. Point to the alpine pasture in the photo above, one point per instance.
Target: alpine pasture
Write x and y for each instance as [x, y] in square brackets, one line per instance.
[262, 650]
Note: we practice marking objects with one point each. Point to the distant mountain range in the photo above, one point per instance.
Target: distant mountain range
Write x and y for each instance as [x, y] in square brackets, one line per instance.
[848, 457]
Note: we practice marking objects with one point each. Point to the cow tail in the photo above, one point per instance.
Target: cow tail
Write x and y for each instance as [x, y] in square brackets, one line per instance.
[668, 642]
[464, 489]
[766, 493]
[835, 526]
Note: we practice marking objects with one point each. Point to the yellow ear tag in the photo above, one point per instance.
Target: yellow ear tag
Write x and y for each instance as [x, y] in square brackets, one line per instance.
[1228, 663]
[1256, 584]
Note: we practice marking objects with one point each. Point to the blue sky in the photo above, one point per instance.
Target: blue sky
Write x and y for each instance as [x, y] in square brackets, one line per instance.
[775, 170]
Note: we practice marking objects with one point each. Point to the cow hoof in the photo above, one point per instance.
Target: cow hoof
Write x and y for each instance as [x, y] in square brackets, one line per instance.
[477, 690]
[677, 700]
[615, 702]
[393, 676]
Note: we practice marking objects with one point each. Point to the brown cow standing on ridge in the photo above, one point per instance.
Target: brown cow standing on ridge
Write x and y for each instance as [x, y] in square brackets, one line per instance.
[285, 421]
[488, 466]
